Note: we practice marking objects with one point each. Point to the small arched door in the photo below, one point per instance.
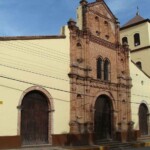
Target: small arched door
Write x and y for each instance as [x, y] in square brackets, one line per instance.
[103, 118]
[34, 118]
[143, 119]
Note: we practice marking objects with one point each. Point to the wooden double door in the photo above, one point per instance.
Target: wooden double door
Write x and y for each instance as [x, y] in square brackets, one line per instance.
[103, 118]
[34, 119]
[143, 119]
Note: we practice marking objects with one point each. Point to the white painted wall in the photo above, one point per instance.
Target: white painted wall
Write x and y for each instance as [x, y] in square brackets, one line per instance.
[48, 57]
[140, 92]
[142, 29]
[149, 32]
[142, 56]
[79, 17]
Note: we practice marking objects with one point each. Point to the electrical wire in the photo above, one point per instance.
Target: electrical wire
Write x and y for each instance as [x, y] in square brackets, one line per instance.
[44, 75]
[23, 90]
[41, 55]
[39, 49]
[33, 66]
[31, 83]
[25, 51]
[35, 52]
[27, 43]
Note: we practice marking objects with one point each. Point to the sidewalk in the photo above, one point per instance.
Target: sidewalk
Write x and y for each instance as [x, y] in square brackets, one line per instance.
[143, 145]
[39, 148]
[75, 148]
[142, 148]
[60, 148]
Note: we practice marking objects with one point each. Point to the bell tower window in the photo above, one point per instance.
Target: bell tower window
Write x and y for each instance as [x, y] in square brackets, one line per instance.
[136, 39]
[124, 40]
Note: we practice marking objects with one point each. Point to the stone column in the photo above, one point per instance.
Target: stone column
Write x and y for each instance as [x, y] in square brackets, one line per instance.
[122, 131]
[90, 132]
[131, 136]
[74, 127]
[114, 125]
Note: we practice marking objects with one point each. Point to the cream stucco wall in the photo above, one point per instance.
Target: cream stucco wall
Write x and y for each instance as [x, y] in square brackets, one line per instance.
[140, 92]
[79, 17]
[149, 31]
[141, 52]
[142, 56]
[42, 63]
[142, 29]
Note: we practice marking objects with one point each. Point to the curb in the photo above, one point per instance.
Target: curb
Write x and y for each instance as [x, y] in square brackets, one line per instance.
[141, 144]
[90, 148]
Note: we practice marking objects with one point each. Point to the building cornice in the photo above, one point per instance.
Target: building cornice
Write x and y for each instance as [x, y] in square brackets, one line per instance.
[139, 49]
[102, 42]
[96, 83]
[140, 69]
[132, 25]
[9, 38]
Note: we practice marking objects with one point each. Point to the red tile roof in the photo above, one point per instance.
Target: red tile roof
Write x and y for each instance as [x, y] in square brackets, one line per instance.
[134, 20]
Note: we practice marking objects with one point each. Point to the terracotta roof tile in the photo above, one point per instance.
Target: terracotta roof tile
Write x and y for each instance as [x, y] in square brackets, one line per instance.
[134, 20]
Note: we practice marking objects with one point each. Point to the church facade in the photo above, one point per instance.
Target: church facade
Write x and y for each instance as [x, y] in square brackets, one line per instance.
[73, 88]
[100, 77]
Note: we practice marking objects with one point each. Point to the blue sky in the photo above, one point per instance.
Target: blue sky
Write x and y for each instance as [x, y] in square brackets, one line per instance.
[45, 17]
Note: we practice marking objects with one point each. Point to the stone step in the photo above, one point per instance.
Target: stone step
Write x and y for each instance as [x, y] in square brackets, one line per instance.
[114, 144]
[144, 137]
[143, 141]
[41, 147]
[120, 146]
[106, 141]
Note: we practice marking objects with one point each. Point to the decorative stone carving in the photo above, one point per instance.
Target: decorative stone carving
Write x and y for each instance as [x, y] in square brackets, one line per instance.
[83, 74]
[131, 135]
[89, 127]
[122, 126]
[79, 60]
[74, 127]
[82, 128]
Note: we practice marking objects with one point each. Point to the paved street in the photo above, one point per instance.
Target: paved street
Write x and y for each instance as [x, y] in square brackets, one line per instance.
[58, 148]
[145, 148]
[39, 148]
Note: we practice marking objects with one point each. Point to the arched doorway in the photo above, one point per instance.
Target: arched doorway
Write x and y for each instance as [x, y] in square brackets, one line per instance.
[103, 118]
[34, 118]
[143, 119]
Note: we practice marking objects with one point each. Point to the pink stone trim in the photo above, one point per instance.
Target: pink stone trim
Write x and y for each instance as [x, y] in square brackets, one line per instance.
[50, 105]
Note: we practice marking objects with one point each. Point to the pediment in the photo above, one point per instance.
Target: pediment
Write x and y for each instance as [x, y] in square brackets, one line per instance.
[102, 9]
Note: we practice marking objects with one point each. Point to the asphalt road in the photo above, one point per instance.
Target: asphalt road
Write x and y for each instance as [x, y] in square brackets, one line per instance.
[145, 148]
[58, 148]
[38, 148]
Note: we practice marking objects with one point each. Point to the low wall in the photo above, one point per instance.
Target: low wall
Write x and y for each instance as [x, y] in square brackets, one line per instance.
[7, 142]
[72, 139]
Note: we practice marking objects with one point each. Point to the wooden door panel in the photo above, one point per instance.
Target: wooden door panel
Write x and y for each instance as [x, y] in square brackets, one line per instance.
[102, 118]
[34, 119]
[143, 120]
